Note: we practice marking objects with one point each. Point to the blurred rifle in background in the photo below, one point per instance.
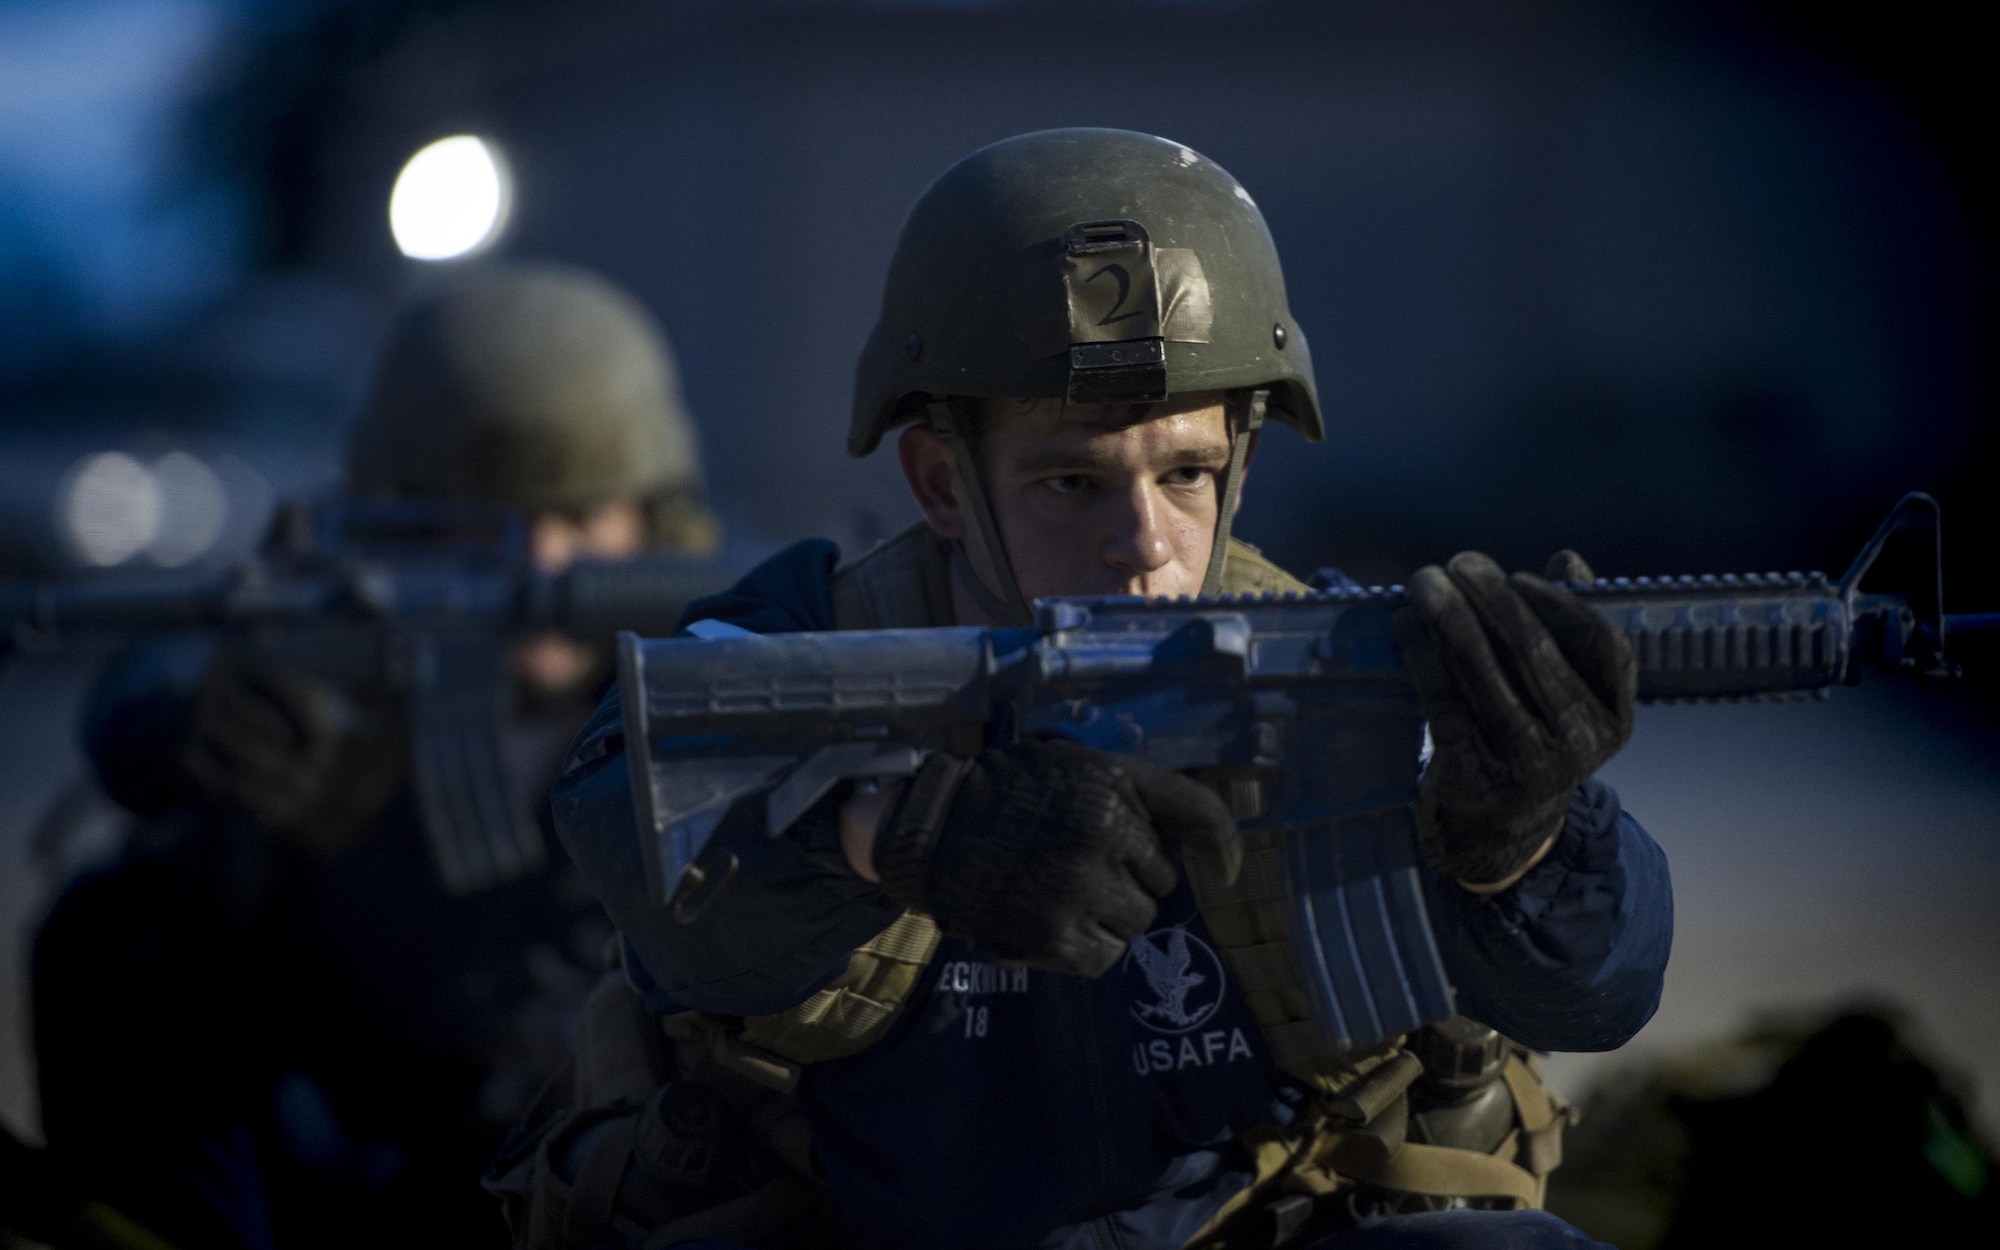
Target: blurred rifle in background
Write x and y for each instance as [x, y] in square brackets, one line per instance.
[407, 609]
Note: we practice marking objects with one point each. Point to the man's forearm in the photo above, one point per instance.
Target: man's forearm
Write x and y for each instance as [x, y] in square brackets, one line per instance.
[1574, 954]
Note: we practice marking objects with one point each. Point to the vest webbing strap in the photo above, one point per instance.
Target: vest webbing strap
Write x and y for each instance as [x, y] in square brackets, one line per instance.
[1443, 1172]
[1531, 1096]
[1542, 1120]
[855, 1011]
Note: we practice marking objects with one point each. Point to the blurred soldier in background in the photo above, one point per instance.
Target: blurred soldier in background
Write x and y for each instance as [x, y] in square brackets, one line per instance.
[277, 1021]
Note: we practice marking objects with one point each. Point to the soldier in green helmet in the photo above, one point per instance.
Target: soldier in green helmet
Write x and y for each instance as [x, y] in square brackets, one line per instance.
[1035, 995]
[284, 1017]
[550, 390]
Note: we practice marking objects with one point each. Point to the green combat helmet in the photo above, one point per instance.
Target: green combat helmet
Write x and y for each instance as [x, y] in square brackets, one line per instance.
[540, 386]
[1100, 266]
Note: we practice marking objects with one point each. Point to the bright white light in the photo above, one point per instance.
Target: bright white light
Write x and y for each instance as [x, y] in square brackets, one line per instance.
[193, 507]
[110, 508]
[450, 199]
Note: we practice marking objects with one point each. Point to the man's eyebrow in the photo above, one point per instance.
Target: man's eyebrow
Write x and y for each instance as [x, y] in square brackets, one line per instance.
[1086, 459]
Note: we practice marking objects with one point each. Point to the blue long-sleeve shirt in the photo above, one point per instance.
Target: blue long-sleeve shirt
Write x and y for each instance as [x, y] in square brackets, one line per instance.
[1012, 1106]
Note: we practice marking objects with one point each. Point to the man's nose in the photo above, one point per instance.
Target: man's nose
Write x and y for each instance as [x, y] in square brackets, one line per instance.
[1139, 544]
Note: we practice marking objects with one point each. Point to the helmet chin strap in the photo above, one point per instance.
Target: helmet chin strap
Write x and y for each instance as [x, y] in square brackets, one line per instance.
[1246, 416]
[1008, 607]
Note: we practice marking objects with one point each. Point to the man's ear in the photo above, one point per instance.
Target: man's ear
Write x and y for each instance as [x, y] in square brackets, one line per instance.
[933, 478]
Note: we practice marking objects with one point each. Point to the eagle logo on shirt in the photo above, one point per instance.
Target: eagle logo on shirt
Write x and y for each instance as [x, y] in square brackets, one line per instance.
[1180, 974]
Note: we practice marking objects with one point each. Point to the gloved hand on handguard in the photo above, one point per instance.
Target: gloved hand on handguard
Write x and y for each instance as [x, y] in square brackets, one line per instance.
[1527, 692]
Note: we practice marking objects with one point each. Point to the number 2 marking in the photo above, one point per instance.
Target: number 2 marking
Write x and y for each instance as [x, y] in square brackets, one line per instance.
[1124, 281]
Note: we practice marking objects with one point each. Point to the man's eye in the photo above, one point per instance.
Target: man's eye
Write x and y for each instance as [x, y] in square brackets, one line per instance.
[1187, 477]
[1067, 484]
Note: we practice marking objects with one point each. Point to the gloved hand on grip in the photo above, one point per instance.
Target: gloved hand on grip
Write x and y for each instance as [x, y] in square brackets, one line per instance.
[1048, 852]
[262, 740]
[1527, 692]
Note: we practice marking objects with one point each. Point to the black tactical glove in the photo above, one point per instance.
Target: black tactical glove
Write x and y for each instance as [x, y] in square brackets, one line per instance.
[1527, 692]
[1048, 852]
[262, 740]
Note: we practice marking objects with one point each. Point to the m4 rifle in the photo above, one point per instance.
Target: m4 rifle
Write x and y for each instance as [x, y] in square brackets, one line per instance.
[1296, 707]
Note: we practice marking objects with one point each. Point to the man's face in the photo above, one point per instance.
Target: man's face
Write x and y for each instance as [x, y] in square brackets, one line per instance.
[1090, 499]
[550, 663]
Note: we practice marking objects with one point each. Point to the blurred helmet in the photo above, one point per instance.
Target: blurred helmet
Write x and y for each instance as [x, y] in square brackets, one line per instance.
[1098, 265]
[540, 386]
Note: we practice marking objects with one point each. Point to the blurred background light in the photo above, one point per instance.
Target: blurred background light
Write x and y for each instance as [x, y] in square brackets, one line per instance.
[450, 200]
[110, 509]
[193, 507]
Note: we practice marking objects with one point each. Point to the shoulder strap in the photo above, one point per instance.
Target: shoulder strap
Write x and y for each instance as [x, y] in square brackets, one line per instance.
[903, 583]
[855, 1011]
[843, 1019]
[1247, 572]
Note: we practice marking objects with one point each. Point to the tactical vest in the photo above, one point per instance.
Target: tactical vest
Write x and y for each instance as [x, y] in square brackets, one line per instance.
[1362, 1134]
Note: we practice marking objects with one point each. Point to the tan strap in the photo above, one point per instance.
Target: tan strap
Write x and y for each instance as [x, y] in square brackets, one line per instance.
[855, 1011]
[1440, 1171]
[1542, 1120]
[911, 939]
[1246, 417]
[1283, 1159]
[1531, 1095]
[1366, 1100]
[1249, 573]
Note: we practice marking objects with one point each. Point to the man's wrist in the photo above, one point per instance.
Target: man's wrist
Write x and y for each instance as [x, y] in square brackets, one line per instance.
[861, 818]
[1514, 878]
